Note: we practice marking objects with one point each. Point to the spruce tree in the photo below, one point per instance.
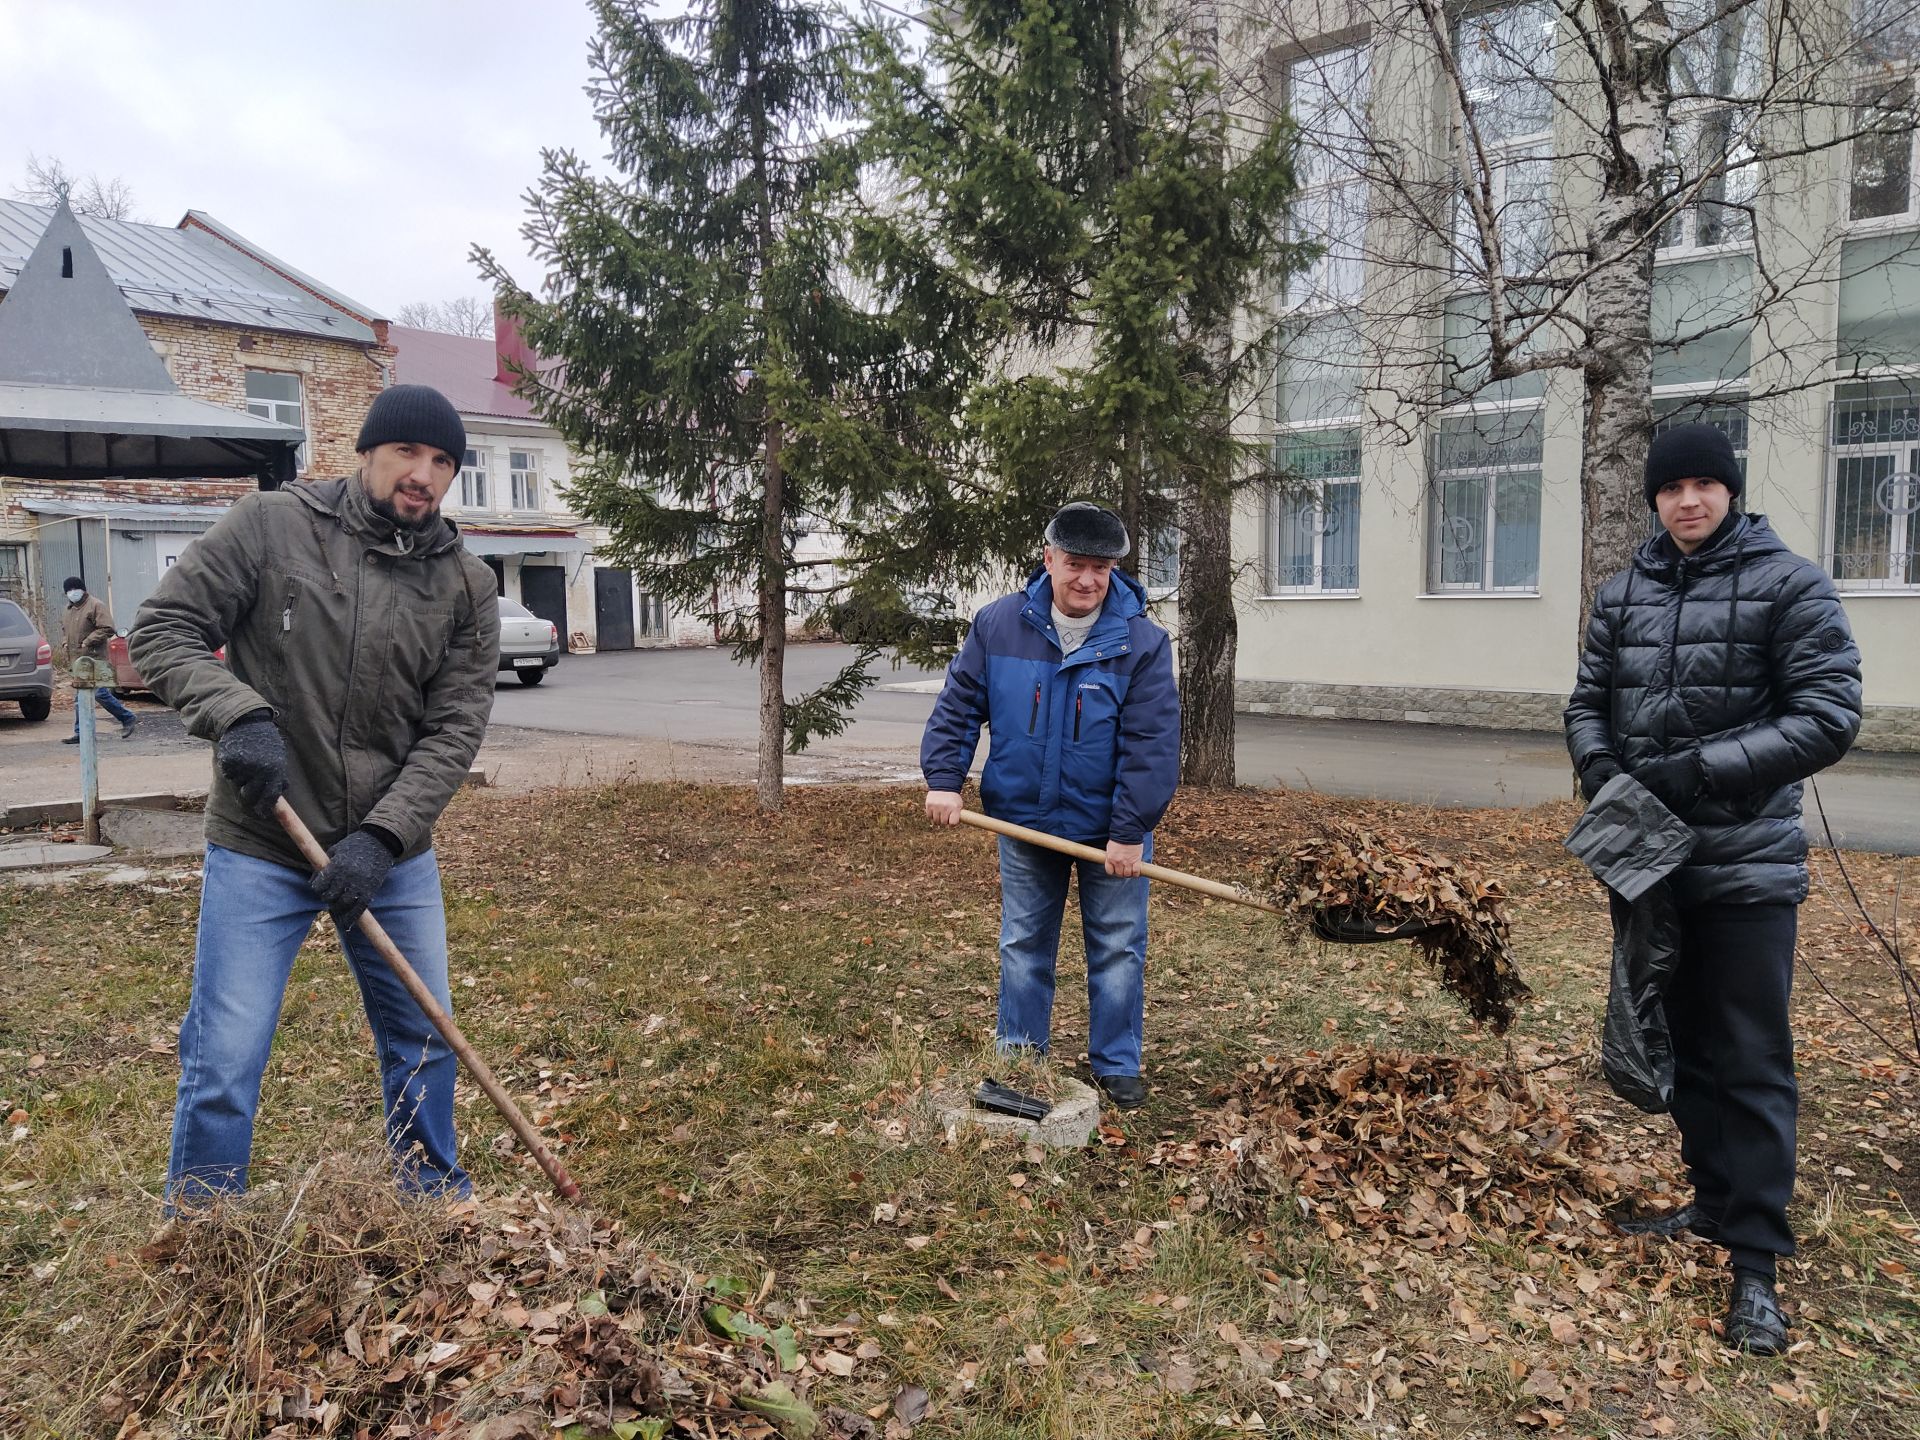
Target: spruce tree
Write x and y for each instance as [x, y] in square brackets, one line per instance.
[1069, 164]
[716, 364]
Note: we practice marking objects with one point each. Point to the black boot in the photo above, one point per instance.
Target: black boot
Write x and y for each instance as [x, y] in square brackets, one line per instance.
[1670, 1224]
[1127, 1092]
[126, 728]
[1755, 1322]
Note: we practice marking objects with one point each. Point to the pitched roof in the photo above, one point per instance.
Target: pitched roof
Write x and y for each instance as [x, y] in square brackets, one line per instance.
[84, 396]
[464, 368]
[200, 270]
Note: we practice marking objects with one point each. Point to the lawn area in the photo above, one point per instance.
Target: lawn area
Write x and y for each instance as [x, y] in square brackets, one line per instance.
[729, 1025]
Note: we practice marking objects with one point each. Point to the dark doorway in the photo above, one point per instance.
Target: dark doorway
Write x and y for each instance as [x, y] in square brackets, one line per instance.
[613, 608]
[543, 590]
[499, 568]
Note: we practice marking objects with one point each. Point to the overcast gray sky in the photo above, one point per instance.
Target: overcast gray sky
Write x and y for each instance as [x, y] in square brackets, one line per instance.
[367, 142]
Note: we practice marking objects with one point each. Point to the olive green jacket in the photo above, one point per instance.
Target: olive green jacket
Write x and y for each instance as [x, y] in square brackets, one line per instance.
[376, 651]
[87, 627]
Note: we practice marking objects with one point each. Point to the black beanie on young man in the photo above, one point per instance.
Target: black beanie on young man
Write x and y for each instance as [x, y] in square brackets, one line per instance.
[417, 415]
[1692, 452]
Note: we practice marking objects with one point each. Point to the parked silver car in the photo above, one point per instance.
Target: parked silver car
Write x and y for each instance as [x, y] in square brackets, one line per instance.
[26, 663]
[529, 646]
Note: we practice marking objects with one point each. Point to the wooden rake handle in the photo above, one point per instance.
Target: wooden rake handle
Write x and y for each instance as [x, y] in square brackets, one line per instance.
[1074, 848]
[443, 1022]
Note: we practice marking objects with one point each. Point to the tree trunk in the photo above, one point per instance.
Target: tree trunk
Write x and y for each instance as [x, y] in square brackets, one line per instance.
[773, 627]
[773, 553]
[1618, 375]
[1209, 628]
[1133, 505]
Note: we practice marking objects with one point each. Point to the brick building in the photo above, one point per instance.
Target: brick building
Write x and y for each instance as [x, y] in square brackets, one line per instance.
[236, 327]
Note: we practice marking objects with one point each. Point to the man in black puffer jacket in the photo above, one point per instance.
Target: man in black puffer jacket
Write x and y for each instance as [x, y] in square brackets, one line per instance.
[1720, 672]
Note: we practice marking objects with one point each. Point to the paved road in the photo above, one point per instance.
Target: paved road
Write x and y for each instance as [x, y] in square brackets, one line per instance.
[700, 697]
[693, 713]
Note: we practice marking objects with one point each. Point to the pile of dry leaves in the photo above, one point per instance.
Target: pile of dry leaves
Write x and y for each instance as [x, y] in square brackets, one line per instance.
[1357, 884]
[1418, 1150]
[350, 1312]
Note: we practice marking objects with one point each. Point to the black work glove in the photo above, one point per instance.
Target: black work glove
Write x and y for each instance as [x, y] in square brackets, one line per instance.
[1678, 782]
[356, 869]
[253, 756]
[1600, 769]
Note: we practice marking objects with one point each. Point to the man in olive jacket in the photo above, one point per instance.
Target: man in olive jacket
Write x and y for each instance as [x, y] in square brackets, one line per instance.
[362, 647]
[87, 628]
[1720, 672]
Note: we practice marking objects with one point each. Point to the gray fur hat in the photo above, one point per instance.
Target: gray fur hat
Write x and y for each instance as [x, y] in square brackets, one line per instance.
[1084, 528]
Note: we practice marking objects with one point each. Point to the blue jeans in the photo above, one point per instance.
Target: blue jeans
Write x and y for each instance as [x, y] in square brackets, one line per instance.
[109, 702]
[1113, 920]
[254, 916]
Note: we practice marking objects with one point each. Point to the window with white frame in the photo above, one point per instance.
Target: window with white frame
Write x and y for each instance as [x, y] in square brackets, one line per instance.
[1886, 135]
[1506, 59]
[1483, 503]
[1327, 95]
[1717, 66]
[1313, 515]
[275, 395]
[523, 477]
[473, 480]
[1873, 486]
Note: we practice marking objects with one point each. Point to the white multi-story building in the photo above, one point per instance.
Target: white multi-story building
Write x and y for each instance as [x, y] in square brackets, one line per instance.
[1427, 565]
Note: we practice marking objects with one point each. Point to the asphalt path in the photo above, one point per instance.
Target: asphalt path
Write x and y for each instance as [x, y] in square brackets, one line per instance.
[700, 698]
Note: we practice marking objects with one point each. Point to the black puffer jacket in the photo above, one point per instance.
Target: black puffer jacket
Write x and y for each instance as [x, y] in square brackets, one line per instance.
[1742, 650]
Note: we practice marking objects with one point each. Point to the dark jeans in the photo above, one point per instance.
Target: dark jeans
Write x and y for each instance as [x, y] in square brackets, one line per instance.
[1734, 1096]
[109, 702]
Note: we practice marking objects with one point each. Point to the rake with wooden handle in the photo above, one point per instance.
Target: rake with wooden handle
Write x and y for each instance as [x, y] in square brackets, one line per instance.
[1181, 878]
[377, 936]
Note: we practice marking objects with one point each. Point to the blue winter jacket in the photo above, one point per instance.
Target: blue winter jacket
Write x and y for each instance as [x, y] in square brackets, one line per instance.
[1085, 746]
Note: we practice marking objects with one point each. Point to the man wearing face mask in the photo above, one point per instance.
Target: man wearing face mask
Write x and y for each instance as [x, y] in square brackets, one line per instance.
[362, 647]
[88, 630]
[1720, 672]
[1075, 685]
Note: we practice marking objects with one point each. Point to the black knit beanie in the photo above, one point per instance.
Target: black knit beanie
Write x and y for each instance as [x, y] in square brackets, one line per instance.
[414, 414]
[1697, 452]
[1084, 528]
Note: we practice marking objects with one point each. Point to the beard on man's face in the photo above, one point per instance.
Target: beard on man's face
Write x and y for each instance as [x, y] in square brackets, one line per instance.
[386, 511]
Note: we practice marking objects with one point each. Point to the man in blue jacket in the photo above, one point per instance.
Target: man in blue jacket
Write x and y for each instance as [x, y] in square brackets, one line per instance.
[1076, 686]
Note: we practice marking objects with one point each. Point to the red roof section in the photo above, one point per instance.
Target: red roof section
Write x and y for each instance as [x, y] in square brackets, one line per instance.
[464, 368]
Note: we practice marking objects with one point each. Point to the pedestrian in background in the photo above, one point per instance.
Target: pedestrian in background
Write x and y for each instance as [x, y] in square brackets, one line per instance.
[88, 628]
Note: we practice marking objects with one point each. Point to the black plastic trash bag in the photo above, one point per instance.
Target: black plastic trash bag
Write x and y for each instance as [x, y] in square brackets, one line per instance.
[1629, 839]
[1636, 1047]
[1632, 843]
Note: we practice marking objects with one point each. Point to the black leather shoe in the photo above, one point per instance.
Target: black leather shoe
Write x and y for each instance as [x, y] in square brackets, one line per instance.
[1127, 1092]
[126, 728]
[1668, 1225]
[71, 740]
[1755, 1322]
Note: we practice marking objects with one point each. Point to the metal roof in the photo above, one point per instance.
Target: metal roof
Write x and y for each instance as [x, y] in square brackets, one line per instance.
[464, 368]
[84, 396]
[163, 270]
